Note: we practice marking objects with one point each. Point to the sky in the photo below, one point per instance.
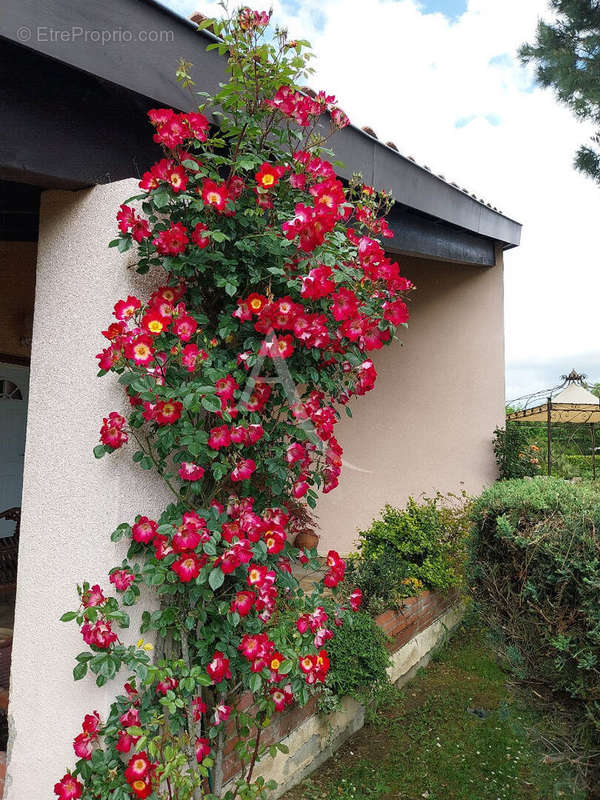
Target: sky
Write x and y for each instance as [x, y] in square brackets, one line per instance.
[442, 80]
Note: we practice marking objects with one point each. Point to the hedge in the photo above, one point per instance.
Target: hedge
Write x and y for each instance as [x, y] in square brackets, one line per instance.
[535, 570]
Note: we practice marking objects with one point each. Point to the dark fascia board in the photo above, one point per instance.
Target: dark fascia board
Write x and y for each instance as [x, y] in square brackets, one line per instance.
[418, 235]
[56, 28]
[418, 188]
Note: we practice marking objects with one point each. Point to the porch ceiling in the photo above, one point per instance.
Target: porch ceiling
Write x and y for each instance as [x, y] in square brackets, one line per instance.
[136, 75]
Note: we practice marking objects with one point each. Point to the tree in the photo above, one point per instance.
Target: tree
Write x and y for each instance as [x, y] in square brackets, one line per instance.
[566, 53]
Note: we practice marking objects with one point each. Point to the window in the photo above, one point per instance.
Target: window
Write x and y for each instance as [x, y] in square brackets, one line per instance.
[9, 390]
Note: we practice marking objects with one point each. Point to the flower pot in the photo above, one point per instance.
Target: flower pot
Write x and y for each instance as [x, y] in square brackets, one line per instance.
[306, 540]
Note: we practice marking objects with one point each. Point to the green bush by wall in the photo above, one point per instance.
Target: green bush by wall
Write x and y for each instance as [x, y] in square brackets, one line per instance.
[405, 551]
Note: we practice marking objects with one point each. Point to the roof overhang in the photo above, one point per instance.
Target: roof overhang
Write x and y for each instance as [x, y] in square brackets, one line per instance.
[70, 33]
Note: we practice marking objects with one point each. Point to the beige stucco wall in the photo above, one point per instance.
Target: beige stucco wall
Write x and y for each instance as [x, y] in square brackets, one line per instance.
[428, 423]
[71, 502]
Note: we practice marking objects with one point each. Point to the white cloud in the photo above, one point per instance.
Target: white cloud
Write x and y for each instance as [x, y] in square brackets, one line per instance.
[411, 76]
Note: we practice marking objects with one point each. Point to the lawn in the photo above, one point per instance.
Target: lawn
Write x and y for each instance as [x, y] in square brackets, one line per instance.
[457, 732]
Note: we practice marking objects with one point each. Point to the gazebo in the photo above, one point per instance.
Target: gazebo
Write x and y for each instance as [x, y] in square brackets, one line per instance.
[571, 402]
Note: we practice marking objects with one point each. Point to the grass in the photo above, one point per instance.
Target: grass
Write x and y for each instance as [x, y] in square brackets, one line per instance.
[457, 732]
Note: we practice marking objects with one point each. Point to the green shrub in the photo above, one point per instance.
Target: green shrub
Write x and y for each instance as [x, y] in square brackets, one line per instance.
[515, 456]
[408, 550]
[359, 660]
[581, 465]
[535, 571]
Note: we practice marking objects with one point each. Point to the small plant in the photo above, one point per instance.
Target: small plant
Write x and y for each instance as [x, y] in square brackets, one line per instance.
[515, 456]
[406, 551]
[359, 661]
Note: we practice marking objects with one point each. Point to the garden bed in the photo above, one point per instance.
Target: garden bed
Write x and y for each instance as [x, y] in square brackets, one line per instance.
[415, 630]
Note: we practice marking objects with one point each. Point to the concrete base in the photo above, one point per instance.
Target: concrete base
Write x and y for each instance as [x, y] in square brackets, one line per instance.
[418, 651]
[317, 738]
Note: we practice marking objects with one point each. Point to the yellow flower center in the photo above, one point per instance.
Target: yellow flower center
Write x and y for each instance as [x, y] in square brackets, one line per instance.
[268, 180]
[275, 664]
[155, 326]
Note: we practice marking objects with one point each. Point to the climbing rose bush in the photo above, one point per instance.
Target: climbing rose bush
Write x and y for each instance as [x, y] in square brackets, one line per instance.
[273, 289]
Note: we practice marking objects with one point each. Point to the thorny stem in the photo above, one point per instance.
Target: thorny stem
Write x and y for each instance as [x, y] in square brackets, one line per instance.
[148, 451]
[259, 721]
[189, 712]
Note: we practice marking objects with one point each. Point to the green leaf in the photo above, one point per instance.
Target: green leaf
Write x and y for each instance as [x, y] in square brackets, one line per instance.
[155, 578]
[247, 162]
[160, 197]
[68, 616]
[211, 403]
[210, 548]
[117, 534]
[189, 400]
[216, 578]
[79, 671]
[99, 450]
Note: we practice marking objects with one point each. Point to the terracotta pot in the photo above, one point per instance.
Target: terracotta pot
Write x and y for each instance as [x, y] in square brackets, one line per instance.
[306, 540]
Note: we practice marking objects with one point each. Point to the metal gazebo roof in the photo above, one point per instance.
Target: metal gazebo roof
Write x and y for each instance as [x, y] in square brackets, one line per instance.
[571, 402]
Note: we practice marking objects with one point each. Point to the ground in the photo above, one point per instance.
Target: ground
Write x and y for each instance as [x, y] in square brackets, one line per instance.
[459, 731]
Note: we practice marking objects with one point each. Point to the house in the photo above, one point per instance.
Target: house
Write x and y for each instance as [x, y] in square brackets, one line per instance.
[78, 80]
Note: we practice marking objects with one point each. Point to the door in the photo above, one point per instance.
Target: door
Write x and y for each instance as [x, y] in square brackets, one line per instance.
[14, 388]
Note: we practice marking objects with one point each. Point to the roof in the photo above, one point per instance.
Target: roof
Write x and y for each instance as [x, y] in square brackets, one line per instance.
[574, 403]
[426, 204]
[576, 413]
[577, 394]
